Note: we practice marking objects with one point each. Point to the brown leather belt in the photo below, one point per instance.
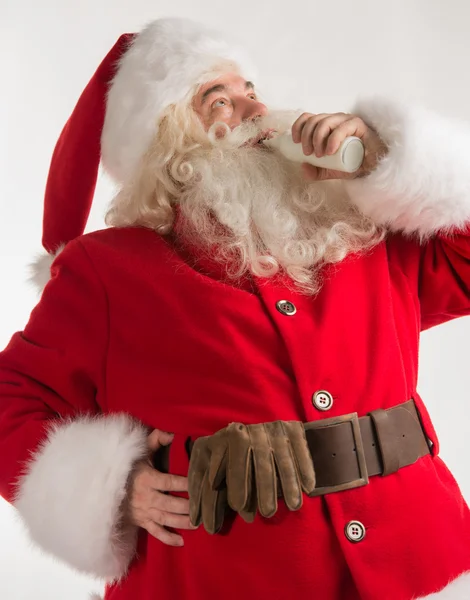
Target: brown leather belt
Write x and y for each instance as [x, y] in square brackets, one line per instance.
[347, 450]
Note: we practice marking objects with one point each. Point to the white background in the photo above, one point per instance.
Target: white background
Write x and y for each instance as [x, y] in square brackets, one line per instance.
[314, 55]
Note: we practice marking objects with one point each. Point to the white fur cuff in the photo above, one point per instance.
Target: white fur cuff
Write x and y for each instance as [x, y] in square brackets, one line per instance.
[71, 496]
[423, 185]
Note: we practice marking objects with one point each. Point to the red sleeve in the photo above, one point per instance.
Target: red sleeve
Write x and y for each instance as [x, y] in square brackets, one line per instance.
[421, 189]
[55, 367]
[439, 273]
[444, 279]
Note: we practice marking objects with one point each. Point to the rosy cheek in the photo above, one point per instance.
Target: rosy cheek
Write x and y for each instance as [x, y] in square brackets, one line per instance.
[221, 116]
[222, 111]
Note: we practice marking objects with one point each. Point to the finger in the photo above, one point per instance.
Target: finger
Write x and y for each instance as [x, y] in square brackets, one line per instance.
[296, 434]
[218, 463]
[198, 464]
[323, 130]
[162, 534]
[312, 173]
[164, 482]
[248, 513]
[354, 126]
[301, 122]
[238, 465]
[286, 463]
[213, 507]
[195, 510]
[298, 125]
[171, 504]
[308, 132]
[200, 457]
[159, 438]
[166, 519]
[220, 510]
[265, 470]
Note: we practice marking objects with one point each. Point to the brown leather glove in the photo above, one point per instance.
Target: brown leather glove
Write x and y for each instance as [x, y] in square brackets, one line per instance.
[206, 505]
[243, 466]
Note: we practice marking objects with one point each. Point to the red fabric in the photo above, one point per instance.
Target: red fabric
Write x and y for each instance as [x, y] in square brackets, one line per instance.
[74, 166]
[127, 325]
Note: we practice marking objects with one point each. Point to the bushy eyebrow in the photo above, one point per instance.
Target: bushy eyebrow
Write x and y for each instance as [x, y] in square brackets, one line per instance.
[221, 88]
[211, 90]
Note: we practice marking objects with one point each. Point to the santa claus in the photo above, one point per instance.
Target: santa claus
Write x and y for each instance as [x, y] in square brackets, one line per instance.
[258, 319]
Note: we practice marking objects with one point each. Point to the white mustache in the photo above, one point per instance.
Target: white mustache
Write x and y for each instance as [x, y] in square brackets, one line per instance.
[221, 136]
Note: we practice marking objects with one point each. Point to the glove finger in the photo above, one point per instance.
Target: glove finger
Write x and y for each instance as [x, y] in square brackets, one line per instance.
[218, 464]
[306, 468]
[195, 514]
[238, 468]
[287, 467]
[221, 509]
[198, 465]
[248, 513]
[265, 470]
[214, 504]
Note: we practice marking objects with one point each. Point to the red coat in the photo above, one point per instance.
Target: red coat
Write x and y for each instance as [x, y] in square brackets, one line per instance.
[128, 325]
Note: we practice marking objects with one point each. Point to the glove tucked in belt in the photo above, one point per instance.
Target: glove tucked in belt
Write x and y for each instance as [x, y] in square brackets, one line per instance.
[246, 467]
[243, 465]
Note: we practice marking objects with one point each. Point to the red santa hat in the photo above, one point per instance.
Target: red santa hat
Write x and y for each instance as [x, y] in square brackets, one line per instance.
[118, 113]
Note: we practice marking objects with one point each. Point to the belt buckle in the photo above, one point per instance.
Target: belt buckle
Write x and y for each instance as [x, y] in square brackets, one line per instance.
[363, 479]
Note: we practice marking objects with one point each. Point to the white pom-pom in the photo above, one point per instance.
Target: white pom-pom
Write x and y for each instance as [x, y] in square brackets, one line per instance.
[40, 269]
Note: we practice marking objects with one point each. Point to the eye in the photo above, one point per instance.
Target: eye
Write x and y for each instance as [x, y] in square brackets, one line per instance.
[219, 103]
[253, 97]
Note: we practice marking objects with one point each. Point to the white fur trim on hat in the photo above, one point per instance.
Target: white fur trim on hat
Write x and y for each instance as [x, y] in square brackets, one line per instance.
[459, 589]
[164, 62]
[71, 496]
[422, 186]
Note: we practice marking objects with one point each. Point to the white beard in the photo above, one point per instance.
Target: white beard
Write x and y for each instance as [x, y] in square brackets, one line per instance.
[248, 206]
[272, 219]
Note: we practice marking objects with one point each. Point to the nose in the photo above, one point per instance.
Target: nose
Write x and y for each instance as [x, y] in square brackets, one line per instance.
[254, 110]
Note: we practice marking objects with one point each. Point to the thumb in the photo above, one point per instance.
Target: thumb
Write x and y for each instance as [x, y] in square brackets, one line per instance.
[158, 438]
[312, 173]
